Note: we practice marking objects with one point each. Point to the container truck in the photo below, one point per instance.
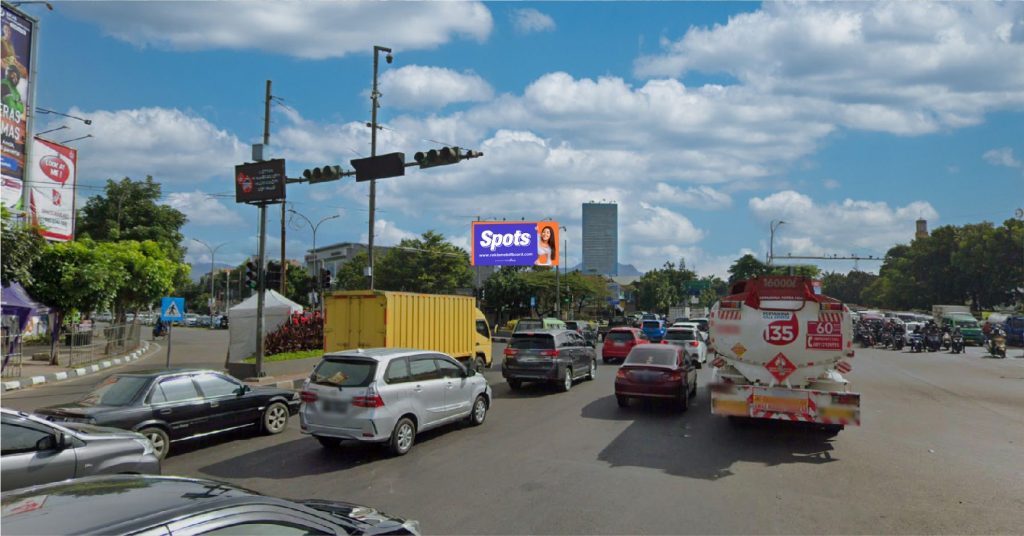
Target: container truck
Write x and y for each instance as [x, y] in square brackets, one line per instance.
[383, 319]
[781, 351]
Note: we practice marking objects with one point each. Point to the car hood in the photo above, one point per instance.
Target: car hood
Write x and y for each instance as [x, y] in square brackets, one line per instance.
[363, 519]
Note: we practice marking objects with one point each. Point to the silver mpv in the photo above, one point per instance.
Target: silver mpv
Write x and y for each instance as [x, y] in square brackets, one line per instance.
[389, 395]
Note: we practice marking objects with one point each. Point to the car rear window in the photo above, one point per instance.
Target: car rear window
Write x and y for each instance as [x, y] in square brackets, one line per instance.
[619, 336]
[524, 325]
[652, 324]
[532, 342]
[345, 371]
[652, 354]
[572, 325]
[680, 335]
[116, 391]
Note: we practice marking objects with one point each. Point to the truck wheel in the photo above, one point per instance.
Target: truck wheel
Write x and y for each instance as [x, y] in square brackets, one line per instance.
[567, 382]
[515, 385]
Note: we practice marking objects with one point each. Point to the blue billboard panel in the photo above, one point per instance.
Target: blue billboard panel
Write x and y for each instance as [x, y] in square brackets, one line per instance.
[520, 243]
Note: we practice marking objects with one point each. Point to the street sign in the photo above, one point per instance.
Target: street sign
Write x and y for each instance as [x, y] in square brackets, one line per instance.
[260, 181]
[533, 301]
[172, 309]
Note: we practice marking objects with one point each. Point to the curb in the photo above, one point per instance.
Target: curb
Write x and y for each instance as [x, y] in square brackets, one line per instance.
[78, 372]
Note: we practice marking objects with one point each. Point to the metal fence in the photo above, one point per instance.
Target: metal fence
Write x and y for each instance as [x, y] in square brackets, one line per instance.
[78, 345]
[12, 355]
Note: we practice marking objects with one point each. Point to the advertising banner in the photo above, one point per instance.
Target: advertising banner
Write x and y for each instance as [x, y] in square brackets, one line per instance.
[520, 243]
[52, 194]
[260, 181]
[17, 66]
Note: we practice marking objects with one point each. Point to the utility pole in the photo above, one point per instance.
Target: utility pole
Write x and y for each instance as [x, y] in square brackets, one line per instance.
[374, 96]
[261, 285]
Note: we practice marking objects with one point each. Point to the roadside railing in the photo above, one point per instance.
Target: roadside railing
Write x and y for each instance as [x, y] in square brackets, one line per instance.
[82, 344]
[12, 355]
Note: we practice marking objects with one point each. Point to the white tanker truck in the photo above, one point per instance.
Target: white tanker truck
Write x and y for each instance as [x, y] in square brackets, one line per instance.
[782, 348]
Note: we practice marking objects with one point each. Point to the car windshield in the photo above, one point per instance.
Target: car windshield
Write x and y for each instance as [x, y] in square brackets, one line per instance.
[966, 323]
[619, 336]
[680, 335]
[652, 324]
[345, 371]
[116, 391]
[524, 325]
[532, 342]
[652, 354]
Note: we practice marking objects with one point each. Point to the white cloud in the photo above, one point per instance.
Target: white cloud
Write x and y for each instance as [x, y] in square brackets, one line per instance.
[1001, 157]
[831, 184]
[658, 224]
[169, 144]
[530, 20]
[900, 67]
[702, 197]
[386, 233]
[203, 209]
[312, 30]
[838, 228]
[419, 86]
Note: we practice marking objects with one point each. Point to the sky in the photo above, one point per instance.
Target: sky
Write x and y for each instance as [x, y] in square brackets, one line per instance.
[703, 121]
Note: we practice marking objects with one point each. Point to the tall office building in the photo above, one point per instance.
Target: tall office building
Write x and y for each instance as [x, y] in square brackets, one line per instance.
[601, 238]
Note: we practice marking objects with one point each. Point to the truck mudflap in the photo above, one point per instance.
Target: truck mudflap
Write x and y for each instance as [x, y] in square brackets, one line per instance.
[785, 404]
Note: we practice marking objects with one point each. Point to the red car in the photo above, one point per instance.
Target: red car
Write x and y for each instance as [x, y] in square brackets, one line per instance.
[619, 341]
[657, 371]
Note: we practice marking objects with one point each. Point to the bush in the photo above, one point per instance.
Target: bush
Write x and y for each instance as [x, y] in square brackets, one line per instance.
[300, 332]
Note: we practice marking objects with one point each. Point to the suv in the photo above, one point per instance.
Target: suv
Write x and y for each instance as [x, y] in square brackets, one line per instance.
[585, 328]
[388, 395]
[654, 329]
[556, 356]
[531, 324]
[620, 341]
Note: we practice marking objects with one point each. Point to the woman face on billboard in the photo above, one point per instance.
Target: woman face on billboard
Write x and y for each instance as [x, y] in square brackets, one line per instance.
[546, 246]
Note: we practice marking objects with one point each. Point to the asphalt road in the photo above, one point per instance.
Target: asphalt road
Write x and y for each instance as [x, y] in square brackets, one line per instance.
[940, 450]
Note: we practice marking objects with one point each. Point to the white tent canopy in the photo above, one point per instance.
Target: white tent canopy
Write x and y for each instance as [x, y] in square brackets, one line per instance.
[242, 322]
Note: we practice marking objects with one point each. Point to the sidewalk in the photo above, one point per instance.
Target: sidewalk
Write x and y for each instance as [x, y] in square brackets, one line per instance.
[37, 372]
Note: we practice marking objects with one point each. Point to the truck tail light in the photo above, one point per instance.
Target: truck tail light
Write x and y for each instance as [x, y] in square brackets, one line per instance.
[308, 397]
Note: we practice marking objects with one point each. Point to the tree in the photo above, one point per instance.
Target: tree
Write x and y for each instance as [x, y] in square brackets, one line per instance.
[848, 288]
[350, 275]
[130, 210]
[21, 246]
[665, 287]
[300, 284]
[428, 264]
[507, 293]
[746, 267]
[149, 269]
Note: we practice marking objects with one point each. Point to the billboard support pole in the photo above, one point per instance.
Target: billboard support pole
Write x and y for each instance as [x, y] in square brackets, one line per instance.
[261, 285]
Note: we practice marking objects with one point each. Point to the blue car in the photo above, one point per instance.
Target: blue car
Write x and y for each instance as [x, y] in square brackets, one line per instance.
[654, 329]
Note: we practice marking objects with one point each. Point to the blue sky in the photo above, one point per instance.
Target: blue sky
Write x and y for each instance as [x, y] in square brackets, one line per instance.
[704, 121]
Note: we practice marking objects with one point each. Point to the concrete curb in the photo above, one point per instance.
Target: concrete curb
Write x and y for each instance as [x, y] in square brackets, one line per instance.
[78, 372]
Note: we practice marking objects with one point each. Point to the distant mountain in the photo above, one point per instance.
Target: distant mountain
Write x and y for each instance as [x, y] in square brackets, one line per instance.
[203, 268]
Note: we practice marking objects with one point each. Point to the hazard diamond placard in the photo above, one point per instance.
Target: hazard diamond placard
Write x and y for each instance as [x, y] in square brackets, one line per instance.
[780, 367]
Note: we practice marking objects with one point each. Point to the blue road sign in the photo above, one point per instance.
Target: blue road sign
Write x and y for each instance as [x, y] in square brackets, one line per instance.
[172, 309]
[533, 301]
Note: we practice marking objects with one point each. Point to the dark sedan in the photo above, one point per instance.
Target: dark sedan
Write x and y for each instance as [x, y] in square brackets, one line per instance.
[132, 504]
[174, 405]
[657, 371]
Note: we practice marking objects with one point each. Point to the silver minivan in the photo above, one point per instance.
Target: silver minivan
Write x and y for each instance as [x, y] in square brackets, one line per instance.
[388, 395]
[36, 451]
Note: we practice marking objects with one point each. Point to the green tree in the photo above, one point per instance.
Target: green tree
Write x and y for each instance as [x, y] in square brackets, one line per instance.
[746, 267]
[21, 246]
[428, 264]
[507, 293]
[150, 272]
[848, 287]
[350, 275]
[662, 288]
[300, 284]
[130, 210]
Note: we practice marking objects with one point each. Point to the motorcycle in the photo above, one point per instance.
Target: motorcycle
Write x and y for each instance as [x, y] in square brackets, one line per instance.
[947, 341]
[997, 346]
[897, 341]
[933, 341]
[887, 339]
[956, 345]
[867, 339]
[916, 343]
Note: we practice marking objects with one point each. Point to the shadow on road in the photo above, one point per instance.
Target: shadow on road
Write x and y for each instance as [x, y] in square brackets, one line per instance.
[697, 444]
[528, 390]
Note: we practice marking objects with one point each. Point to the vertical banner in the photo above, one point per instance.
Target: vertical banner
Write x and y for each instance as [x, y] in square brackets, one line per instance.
[52, 178]
[18, 33]
[533, 243]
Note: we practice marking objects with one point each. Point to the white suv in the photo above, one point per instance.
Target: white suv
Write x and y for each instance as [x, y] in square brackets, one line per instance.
[388, 395]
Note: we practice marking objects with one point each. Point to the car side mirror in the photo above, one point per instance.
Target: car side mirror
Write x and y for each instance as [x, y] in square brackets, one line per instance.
[50, 442]
[243, 389]
[468, 373]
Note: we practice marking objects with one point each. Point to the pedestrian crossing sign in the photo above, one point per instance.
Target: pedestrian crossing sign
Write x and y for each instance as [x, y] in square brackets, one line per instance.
[172, 309]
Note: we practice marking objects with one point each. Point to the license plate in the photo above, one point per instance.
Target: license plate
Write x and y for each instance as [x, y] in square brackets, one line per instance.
[837, 413]
[782, 403]
[619, 344]
[333, 405]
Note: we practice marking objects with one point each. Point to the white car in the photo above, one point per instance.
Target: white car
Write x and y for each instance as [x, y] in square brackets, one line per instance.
[909, 328]
[691, 339]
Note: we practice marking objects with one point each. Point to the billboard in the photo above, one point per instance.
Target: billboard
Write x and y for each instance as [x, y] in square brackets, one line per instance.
[18, 34]
[52, 177]
[260, 181]
[533, 243]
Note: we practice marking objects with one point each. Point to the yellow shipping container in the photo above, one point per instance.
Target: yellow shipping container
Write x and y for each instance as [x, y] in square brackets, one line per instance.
[376, 319]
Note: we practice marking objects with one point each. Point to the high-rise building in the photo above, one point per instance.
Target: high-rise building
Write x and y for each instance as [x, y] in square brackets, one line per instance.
[601, 238]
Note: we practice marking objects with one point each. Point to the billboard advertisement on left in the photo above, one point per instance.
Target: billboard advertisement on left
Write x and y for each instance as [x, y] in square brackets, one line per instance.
[52, 194]
[18, 32]
[520, 243]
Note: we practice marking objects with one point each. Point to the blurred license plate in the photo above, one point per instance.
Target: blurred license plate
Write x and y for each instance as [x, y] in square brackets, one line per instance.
[781, 402]
[618, 344]
[333, 405]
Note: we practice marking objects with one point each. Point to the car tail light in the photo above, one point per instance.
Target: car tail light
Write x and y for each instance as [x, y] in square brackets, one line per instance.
[664, 341]
[675, 375]
[621, 373]
[371, 399]
[511, 352]
[549, 353]
[694, 344]
[308, 397]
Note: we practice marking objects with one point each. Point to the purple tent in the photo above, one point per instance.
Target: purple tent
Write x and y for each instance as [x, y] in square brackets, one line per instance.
[16, 302]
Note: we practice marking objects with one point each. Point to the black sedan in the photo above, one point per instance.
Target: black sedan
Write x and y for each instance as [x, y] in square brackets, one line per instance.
[134, 504]
[175, 405]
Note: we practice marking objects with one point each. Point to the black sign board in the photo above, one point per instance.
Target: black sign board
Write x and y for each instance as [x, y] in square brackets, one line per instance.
[260, 181]
[379, 167]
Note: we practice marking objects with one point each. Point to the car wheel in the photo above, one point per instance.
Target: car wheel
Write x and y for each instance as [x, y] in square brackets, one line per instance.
[622, 400]
[592, 375]
[161, 443]
[479, 412]
[684, 399]
[275, 418]
[403, 436]
[693, 392]
[515, 385]
[567, 382]
[328, 442]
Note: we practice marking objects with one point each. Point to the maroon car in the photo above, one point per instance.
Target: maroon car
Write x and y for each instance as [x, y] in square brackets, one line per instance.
[657, 371]
[619, 341]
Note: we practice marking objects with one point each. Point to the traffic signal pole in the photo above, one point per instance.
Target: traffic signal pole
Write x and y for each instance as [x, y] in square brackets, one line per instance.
[261, 285]
[374, 95]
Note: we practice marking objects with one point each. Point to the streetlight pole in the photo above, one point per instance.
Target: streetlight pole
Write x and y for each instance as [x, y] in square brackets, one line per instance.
[316, 271]
[374, 96]
[558, 282]
[213, 255]
[771, 242]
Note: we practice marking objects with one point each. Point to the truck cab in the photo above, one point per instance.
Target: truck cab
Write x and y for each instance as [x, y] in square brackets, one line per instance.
[482, 339]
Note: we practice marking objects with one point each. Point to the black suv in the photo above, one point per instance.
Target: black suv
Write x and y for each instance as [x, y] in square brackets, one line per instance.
[553, 356]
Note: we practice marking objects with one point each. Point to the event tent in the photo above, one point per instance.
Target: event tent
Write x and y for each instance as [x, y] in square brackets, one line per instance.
[242, 322]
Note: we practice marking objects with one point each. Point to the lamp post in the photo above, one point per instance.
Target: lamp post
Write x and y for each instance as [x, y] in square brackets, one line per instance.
[771, 242]
[54, 112]
[213, 255]
[316, 270]
[374, 96]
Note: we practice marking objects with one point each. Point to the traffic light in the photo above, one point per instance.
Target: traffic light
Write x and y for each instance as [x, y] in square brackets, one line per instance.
[444, 156]
[325, 278]
[251, 275]
[273, 277]
[323, 174]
